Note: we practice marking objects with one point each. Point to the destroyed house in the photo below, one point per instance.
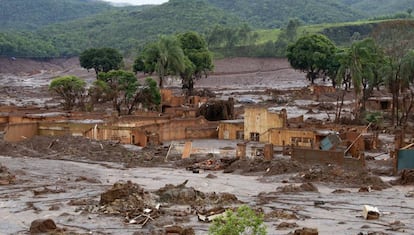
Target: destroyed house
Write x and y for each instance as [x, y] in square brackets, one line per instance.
[258, 121]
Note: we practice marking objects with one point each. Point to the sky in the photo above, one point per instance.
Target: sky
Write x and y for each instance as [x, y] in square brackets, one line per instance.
[138, 2]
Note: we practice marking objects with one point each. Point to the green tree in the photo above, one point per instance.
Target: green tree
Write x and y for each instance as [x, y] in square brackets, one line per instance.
[71, 89]
[229, 37]
[150, 95]
[101, 59]
[407, 89]
[311, 54]
[395, 37]
[287, 36]
[360, 65]
[243, 221]
[123, 89]
[165, 57]
[198, 61]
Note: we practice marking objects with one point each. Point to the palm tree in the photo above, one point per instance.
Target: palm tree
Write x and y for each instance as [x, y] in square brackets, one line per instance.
[360, 63]
[170, 59]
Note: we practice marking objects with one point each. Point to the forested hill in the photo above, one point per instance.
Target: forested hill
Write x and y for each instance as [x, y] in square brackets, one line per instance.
[122, 28]
[33, 14]
[49, 28]
[375, 8]
[276, 13]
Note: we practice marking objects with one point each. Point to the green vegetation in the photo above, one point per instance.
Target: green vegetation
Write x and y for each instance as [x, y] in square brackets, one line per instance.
[101, 59]
[312, 54]
[76, 25]
[30, 15]
[123, 89]
[198, 59]
[71, 89]
[276, 13]
[373, 8]
[243, 221]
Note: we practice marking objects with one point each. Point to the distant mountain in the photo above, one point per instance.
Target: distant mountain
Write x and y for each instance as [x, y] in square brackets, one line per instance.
[276, 13]
[374, 8]
[33, 14]
[126, 28]
[42, 28]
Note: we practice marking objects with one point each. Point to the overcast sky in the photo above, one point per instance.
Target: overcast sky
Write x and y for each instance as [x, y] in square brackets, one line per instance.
[138, 2]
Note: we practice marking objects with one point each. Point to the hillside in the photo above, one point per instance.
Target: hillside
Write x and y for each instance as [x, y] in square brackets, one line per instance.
[33, 14]
[373, 8]
[75, 25]
[276, 13]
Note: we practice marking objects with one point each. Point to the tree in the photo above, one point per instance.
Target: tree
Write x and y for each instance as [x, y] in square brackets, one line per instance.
[229, 37]
[165, 57]
[244, 221]
[101, 59]
[359, 65]
[286, 36]
[123, 89]
[311, 54]
[395, 37]
[407, 76]
[71, 89]
[198, 61]
[149, 95]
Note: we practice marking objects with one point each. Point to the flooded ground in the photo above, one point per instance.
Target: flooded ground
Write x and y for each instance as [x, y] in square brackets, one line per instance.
[65, 181]
[327, 211]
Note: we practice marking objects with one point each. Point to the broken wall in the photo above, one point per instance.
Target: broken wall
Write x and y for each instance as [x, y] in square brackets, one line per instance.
[231, 130]
[321, 157]
[258, 121]
[295, 137]
[20, 131]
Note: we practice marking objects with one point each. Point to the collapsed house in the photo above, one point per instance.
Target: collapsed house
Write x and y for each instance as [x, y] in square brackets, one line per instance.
[144, 128]
[309, 144]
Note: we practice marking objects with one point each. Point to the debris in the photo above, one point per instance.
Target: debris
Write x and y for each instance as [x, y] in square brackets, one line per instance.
[410, 194]
[47, 190]
[178, 230]
[318, 203]
[341, 191]
[286, 225]
[370, 212]
[6, 177]
[42, 226]
[209, 215]
[281, 214]
[407, 177]
[211, 176]
[305, 231]
[396, 226]
[306, 187]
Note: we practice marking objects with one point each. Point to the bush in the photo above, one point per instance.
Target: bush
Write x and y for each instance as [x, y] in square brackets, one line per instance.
[243, 221]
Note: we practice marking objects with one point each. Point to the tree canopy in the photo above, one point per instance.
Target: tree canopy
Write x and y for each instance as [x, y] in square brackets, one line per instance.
[101, 59]
[312, 54]
[71, 89]
[123, 89]
[198, 61]
[165, 57]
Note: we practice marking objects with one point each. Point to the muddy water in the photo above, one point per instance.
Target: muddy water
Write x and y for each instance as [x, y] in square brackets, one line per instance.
[339, 213]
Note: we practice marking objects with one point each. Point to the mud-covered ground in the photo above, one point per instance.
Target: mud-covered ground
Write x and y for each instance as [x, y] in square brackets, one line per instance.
[102, 187]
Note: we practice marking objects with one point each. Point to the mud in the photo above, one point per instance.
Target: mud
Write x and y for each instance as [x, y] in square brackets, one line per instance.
[103, 187]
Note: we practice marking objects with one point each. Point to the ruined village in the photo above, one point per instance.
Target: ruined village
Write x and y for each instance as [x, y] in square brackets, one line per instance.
[255, 133]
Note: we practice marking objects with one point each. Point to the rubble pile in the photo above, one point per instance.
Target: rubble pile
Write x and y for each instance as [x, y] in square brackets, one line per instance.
[127, 199]
[6, 177]
[305, 187]
[406, 177]
[275, 167]
[80, 148]
[337, 175]
[181, 194]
